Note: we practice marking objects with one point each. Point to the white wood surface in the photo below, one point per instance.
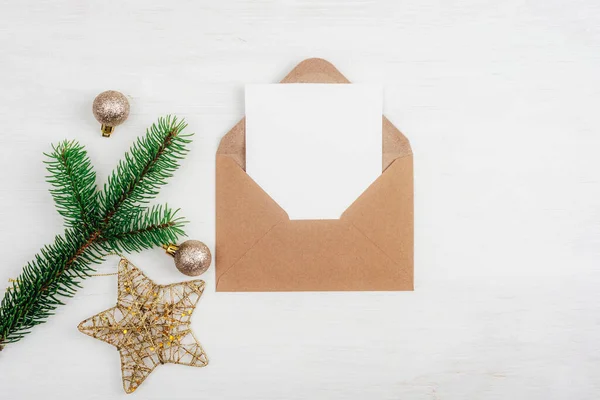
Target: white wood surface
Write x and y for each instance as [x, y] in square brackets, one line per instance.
[500, 101]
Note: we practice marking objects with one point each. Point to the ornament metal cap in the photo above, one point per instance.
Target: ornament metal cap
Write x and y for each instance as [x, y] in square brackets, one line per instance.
[110, 108]
[170, 249]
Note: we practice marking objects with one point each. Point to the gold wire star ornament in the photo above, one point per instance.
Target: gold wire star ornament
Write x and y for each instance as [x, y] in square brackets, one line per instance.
[150, 325]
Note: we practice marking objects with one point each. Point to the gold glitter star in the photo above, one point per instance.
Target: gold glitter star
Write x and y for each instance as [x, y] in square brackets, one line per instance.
[150, 325]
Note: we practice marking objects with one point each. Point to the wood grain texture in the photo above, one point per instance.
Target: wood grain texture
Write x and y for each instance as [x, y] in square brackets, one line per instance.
[499, 101]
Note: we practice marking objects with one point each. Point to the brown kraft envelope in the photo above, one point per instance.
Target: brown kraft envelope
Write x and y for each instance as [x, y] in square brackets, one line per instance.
[259, 249]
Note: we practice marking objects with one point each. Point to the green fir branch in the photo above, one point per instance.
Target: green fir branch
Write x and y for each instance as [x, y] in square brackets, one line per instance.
[73, 183]
[145, 168]
[55, 272]
[146, 228]
[97, 223]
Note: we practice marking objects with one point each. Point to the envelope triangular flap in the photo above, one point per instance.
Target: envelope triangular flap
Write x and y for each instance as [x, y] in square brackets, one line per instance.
[384, 212]
[369, 248]
[244, 213]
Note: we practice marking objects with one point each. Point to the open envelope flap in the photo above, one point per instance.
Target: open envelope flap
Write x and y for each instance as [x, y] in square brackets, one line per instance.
[315, 70]
[233, 144]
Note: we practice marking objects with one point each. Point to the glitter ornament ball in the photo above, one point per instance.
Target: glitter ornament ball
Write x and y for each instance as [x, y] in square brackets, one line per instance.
[192, 258]
[111, 108]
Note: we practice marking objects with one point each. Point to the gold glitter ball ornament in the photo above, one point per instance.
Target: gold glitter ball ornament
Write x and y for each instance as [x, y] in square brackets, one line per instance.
[192, 257]
[111, 108]
[150, 325]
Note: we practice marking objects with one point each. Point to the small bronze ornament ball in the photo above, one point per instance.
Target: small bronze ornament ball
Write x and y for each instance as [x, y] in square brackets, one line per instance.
[111, 108]
[192, 258]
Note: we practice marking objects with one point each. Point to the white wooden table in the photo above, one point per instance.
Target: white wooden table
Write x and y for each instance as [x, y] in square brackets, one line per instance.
[500, 101]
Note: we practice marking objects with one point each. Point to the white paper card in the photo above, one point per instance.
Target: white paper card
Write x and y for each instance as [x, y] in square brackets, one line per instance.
[314, 148]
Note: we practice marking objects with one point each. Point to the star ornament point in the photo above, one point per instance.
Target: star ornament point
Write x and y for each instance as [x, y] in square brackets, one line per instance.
[150, 325]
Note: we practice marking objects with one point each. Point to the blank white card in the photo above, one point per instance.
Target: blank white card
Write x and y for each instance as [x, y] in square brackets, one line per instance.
[314, 148]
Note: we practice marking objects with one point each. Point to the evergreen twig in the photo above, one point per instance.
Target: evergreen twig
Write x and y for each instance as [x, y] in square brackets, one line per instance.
[97, 222]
